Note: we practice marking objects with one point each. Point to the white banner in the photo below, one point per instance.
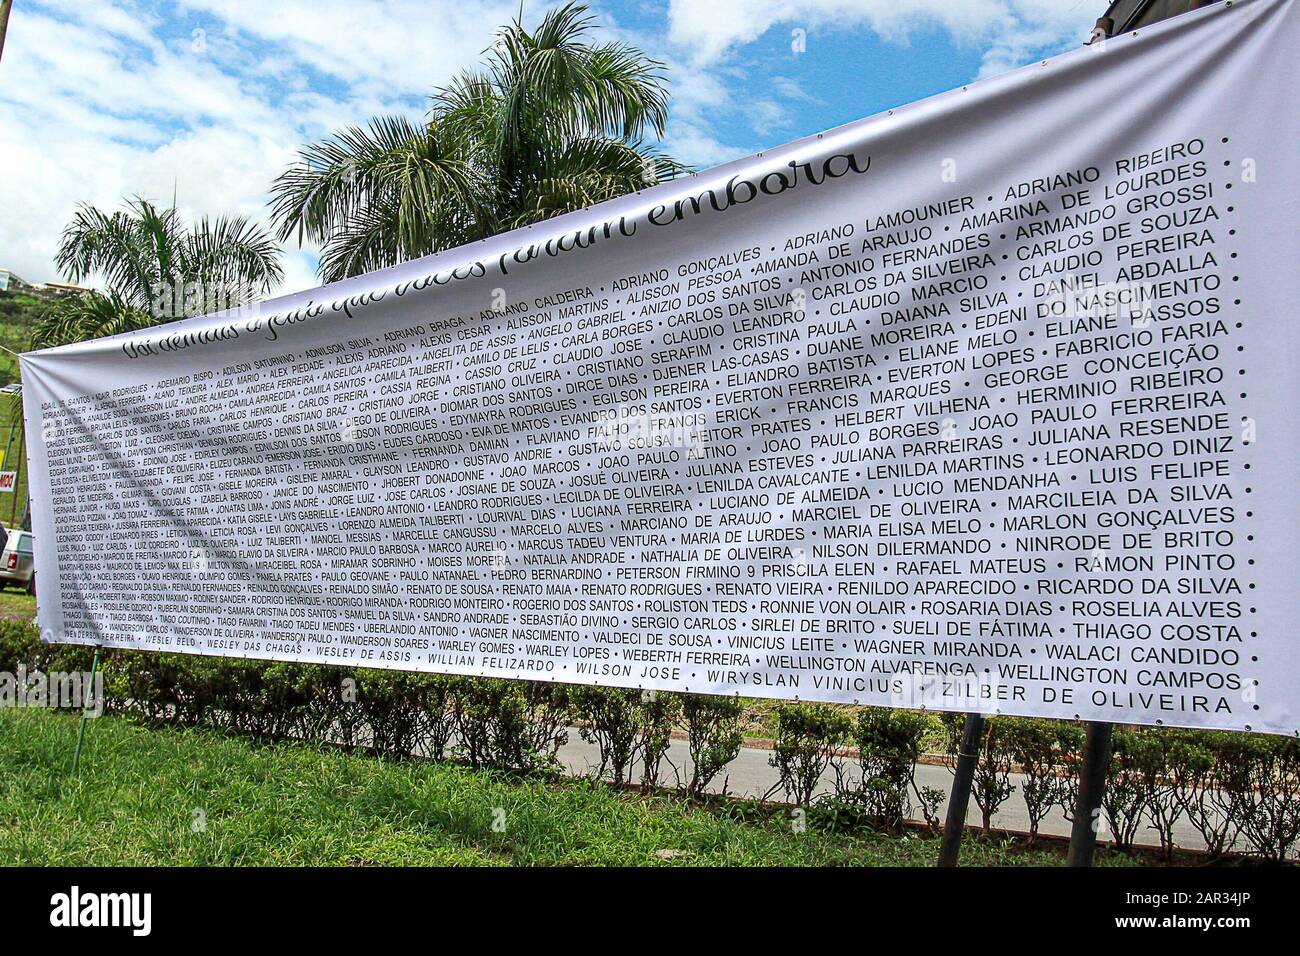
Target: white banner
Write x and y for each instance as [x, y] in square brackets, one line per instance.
[987, 402]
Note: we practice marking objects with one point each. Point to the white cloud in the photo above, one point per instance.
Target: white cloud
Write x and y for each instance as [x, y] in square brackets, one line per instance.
[1011, 31]
[107, 100]
[1034, 28]
[766, 116]
[210, 99]
[792, 89]
[705, 48]
[403, 45]
[695, 145]
[697, 95]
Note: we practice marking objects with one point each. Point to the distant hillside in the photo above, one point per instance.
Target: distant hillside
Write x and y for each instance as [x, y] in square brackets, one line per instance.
[19, 312]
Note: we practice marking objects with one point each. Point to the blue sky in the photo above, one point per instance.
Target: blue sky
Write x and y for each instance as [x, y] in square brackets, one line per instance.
[209, 99]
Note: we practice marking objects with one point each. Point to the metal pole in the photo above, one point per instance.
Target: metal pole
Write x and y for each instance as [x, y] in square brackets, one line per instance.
[81, 734]
[4, 22]
[9, 442]
[1092, 786]
[18, 476]
[963, 775]
[8, 446]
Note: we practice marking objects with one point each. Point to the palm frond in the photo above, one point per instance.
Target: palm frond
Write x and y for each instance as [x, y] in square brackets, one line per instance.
[233, 253]
[89, 316]
[156, 269]
[368, 240]
[134, 249]
[551, 122]
[589, 171]
[628, 93]
[393, 171]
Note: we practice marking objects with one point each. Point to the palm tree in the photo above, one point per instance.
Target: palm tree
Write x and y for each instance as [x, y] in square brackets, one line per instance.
[550, 123]
[157, 268]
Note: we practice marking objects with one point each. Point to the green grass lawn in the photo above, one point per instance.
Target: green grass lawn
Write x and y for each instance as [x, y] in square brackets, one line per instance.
[196, 797]
[16, 605]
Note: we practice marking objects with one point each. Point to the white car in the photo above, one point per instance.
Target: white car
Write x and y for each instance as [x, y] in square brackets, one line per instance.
[17, 565]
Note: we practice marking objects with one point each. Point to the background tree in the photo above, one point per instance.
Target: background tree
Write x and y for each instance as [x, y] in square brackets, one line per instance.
[550, 123]
[156, 268]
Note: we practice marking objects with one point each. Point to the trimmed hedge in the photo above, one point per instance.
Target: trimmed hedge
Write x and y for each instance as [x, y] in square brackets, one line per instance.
[1235, 790]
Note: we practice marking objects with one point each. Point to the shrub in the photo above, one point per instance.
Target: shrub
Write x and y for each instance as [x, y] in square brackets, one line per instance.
[1157, 757]
[259, 698]
[516, 726]
[1229, 785]
[405, 713]
[332, 715]
[1124, 801]
[991, 786]
[808, 738]
[473, 705]
[438, 722]
[625, 725]
[21, 647]
[1262, 776]
[612, 720]
[713, 735]
[1042, 749]
[889, 745]
[1210, 806]
[659, 712]
[163, 688]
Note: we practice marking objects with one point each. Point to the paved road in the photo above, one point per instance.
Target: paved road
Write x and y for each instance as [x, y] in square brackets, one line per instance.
[750, 775]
